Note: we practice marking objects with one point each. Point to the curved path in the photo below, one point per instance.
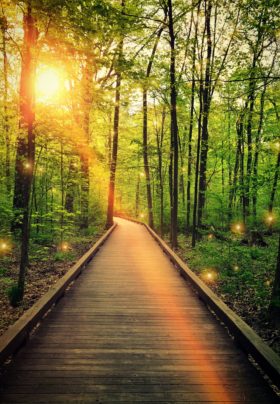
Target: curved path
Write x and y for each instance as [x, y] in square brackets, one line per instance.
[130, 330]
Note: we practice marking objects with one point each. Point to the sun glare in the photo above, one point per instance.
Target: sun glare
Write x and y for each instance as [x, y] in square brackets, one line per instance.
[48, 84]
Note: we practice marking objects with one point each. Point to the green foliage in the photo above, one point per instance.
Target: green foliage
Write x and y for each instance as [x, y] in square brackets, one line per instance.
[64, 256]
[241, 270]
[14, 295]
[3, 272]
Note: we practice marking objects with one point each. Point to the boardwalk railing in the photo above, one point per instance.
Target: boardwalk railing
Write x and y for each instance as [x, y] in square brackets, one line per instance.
[246, 337]
[18, 333]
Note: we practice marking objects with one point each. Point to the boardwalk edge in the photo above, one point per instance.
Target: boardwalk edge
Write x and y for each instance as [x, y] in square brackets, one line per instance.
[18, 333]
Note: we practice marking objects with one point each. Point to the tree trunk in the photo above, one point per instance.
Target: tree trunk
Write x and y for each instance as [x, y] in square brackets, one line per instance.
[113, 166]
[197, 169]
[230, 182]
[159, 138]
[242, 174]
[256, 157]
[205, 115]
[190, 136]
[137, 196]
[274, 307]
[251, 104]
[145, 132]
[182, 152]
[6, 117]
[274, 186]
[84, 191]
[276, 171]
[146, 159]
[174, 128]
[223, 170]
[85, 155]
[238, 163]
[25, 157]
[69, 196]
[109, 142]
[170, 177]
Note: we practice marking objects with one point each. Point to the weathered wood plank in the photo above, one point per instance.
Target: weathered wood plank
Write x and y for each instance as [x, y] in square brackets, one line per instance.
[126, 397]
[131, 330]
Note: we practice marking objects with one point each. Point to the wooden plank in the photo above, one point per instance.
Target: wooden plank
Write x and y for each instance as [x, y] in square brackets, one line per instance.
[187, 391]
[15, 336]
[113, 398]
[127, 332]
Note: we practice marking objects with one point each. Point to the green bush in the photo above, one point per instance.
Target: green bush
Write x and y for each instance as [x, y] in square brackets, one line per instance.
[3, 271]
[63, 256]
[14, 295]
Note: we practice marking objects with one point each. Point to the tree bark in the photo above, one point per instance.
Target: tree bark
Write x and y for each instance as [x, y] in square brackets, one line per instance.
[109, 142]
[256, 156]
[277, 166]
[145, 132]
[196, 179]
[146, 159]
[190, 135]
[174, 128]
[182, 152]
[85, 155]
[274, 307]
[159, 138]
[137, 196]
[205, 114]
[70, 189]
[25, 157]
[4, 28]
[113, 165]
[232, 191]
[251, 104]
[275, 181]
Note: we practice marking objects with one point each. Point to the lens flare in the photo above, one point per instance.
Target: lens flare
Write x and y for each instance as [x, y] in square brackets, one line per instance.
[270, 218]
[5, 247]
[64, 246]
[48, 84]
[209, 275]
[27, 165]
[238, 228]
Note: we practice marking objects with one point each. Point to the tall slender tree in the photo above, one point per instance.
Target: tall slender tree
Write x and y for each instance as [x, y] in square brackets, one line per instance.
[174, 150]
[4, 27]
[206, 95]
[145, 129]
[25, 158]
[113, 165]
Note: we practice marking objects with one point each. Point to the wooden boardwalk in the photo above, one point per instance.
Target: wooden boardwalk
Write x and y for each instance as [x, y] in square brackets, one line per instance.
[130, 330]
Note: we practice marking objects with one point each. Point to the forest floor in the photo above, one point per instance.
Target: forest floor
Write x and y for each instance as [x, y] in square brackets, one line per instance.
[48, 263]
[240, 275]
